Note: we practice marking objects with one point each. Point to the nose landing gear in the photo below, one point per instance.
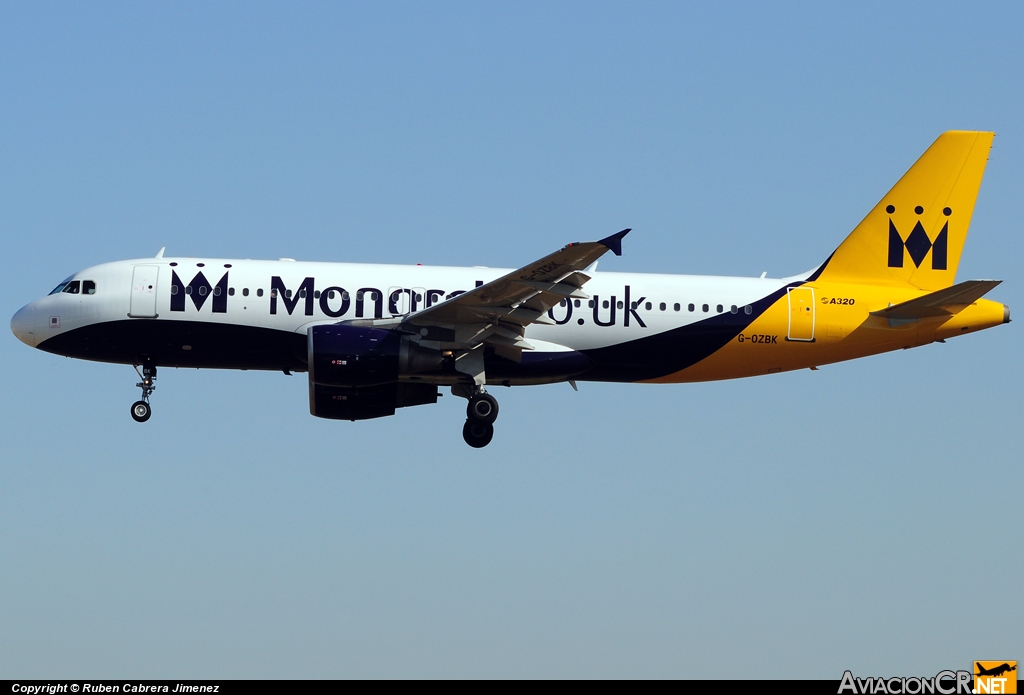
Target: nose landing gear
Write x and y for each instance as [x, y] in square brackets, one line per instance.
[141, 410]
[481, 412]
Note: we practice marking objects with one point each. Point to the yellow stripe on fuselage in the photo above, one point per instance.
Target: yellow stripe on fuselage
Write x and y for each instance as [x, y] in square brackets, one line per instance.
[839, 326]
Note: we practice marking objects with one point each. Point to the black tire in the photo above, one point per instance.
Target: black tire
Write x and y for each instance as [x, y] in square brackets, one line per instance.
[477, 434]
[482, 408]
[141, 411]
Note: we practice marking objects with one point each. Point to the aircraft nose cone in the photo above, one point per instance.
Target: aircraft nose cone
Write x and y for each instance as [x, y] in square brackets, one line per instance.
[22, 326]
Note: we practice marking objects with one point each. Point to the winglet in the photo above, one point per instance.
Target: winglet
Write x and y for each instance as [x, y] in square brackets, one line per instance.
[614, 242]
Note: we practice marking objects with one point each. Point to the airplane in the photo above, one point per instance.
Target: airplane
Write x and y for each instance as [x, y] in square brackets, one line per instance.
[995, 671]
[376, 338]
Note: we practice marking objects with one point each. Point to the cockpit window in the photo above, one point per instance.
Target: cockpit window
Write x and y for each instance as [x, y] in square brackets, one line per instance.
[88, 287]
[72, 287]
[61, 286]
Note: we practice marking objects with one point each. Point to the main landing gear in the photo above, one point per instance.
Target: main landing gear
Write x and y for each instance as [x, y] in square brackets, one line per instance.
[141, 410]
[481, 413]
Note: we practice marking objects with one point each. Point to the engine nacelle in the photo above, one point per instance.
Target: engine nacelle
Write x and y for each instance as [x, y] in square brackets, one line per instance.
[349, 356]
[367, 402]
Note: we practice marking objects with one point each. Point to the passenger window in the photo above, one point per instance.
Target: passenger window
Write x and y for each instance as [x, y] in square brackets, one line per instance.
[676, 306]
[733, 309]
[705, 308]
[302, 293]
[72, 287]
[689, 307]
[662, 306]
[590, 303]
[577, 303]
[605, 304]
[747, 309]
[245, 291]
[259, 292]
[231, 291]
[88, 287]
[202, 290]
[216, 291]
[174, 289]
[344, 295]
[316, 294]
[648, 306]
[719, 307]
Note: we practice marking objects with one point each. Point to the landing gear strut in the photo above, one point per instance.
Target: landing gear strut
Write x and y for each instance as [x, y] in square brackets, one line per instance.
[481, 412]
[141, 410]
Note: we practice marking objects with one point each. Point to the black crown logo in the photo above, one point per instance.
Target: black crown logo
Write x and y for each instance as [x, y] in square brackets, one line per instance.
[199, 290]
[918, 244]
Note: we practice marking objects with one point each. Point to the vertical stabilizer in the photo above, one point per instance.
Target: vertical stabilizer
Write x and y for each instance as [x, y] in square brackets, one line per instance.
[915, 234]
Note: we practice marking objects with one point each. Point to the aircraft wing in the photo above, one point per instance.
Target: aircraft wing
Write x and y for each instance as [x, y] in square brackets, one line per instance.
[499, 311]
[945, 302]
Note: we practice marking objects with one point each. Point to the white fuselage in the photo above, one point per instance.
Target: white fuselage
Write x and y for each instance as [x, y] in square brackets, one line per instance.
[289, 296]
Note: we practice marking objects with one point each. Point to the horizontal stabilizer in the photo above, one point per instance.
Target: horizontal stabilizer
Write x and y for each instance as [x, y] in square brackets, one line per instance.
[947, 302]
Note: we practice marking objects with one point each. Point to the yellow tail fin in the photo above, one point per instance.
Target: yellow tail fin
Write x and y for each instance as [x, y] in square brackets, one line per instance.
[915, 235]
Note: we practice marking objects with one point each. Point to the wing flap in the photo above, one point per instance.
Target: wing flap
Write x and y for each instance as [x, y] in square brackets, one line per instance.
[561, 288]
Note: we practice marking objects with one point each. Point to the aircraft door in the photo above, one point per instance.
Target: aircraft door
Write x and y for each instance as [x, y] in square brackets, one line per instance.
[144, 285]
[801, 314]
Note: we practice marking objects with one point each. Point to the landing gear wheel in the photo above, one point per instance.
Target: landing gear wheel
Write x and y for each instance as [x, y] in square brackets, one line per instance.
[477, 434]
[141, 411]
[482, 408]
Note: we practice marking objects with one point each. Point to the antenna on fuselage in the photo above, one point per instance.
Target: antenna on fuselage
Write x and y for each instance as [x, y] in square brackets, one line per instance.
[160, 253]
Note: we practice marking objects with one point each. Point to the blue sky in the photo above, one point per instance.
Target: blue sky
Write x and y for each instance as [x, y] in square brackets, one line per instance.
[864, 516]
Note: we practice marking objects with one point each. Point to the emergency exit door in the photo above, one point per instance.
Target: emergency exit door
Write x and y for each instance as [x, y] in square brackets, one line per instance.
[801, 314]
[143, 304]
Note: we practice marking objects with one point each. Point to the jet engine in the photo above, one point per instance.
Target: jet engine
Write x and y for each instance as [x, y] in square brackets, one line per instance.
[354, 372]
